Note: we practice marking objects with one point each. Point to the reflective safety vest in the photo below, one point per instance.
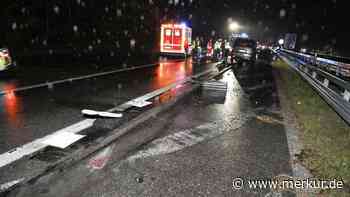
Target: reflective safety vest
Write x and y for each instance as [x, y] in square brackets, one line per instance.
[2, 63]
[217, 45]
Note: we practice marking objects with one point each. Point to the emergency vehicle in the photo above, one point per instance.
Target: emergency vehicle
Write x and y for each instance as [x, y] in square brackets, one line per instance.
[175, 39]
[5, 60]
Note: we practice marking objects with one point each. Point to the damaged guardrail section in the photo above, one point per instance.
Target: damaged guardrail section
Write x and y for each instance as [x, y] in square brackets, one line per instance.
[334, 90]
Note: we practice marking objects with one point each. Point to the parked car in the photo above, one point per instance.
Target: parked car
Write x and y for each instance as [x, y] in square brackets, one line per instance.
[6, 62]
[244, 49]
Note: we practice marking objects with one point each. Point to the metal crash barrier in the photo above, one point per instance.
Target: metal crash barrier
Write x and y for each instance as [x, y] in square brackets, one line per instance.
[338, 68]
[333, 89]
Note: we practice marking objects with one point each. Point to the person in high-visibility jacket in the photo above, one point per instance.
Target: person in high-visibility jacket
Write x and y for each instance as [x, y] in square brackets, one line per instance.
[217, 49]
[2, 63]
[199, 49]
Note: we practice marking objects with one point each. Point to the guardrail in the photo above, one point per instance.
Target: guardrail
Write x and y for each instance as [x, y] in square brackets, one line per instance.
[334, 90]
[338, 68]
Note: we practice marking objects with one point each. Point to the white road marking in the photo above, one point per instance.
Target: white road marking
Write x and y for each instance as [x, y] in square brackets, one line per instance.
[51, 83]
[63, 139]
[160, 91]
[32, 147]
[36, 145]
[6, 186]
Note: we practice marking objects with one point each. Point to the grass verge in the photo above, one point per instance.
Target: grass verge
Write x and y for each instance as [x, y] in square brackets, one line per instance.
[324, 135]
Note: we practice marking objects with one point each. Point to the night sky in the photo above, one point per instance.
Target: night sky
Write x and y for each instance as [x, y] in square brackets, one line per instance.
[313, 21]
[88, 26]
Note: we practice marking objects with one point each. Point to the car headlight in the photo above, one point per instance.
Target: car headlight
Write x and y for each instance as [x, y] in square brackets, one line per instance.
[249, 51]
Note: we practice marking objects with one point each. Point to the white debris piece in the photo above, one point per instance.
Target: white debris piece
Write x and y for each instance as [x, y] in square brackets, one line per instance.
[56, 9]
[8, 185]
[62, 140]
[75, 28]
[14, 26]
[139, 103]
[101, 113]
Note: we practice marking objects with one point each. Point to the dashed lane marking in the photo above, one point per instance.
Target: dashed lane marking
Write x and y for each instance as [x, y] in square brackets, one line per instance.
[51, 83]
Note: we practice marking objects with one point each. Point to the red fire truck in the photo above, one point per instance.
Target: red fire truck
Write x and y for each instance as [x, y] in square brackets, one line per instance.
[175, 39]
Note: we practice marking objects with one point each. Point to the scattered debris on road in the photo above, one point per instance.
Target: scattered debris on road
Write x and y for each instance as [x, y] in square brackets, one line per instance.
[63, 139]
[88, 112]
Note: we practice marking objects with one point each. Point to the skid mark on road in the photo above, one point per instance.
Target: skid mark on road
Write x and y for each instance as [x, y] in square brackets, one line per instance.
[187, 138]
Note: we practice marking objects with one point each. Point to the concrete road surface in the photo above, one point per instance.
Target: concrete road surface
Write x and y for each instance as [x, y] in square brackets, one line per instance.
[200, 147]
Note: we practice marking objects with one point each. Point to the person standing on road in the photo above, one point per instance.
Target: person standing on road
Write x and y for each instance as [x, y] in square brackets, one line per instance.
[199, 49]
[217, 49]
[2, 63]
[186, 46]
[210, 48]
[224, 51]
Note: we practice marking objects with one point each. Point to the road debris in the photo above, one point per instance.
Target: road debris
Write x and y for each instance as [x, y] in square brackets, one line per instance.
[62, 139]
[89, 112]
[139, 103]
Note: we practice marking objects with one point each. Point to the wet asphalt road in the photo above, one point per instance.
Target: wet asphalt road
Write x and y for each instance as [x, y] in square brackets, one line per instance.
[34, 113]
[194, 149]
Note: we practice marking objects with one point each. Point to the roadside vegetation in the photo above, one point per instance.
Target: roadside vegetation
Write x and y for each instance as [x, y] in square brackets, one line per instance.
[324, 135]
